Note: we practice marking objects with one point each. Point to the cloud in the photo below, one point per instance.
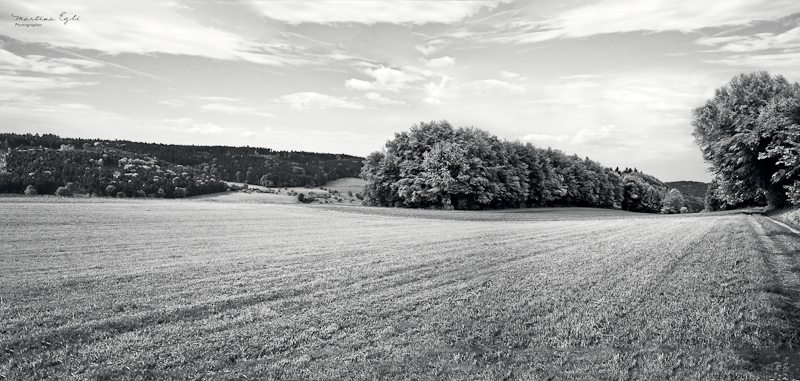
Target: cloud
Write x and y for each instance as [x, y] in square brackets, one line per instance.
[493, 86]
[181, 121]
[189, 125]
[206, 129]
[232, 109]
[248, 134]
[622, 16]
[377, 98]
[141, 27]
[385, 78]
[357, 84]
[172, 102]
[761, 41]
[41, 64]
[605, 136]
[509, 74]
[20, 83]
[308, 100]
[441, 62]
[425, 50]
[436, 91]
[371, 12]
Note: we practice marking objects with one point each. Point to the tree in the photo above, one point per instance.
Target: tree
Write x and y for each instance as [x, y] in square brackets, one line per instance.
[673, 202]
[63, 192]
[739, 132]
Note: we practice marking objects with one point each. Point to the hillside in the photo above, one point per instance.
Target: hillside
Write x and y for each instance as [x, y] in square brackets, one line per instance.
[132, 169]
[690, 188]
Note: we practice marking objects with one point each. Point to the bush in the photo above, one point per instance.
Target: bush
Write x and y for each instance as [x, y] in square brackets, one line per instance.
[141, 193]
[64, 192]
[31, 191]
[121, 195]
[181, 192]
[301, 197]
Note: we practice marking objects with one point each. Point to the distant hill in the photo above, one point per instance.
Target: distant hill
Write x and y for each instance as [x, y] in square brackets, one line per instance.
[694, 193]
[132, 169]
[689, 188]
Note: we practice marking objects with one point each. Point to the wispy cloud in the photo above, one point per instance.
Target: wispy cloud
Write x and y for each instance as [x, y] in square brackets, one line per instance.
[494, 86]
[234, 109]
[22, 83]
[190, 125]
[370, 12]
[760, 41]
[377, 98]
[308, 100]
[621, 16]
[143, 27]
[42, 64]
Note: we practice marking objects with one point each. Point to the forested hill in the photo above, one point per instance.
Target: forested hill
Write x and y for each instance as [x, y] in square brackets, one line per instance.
[131, 169]
[690, 188]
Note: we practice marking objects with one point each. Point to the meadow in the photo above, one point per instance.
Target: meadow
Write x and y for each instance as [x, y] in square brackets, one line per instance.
[190, 289]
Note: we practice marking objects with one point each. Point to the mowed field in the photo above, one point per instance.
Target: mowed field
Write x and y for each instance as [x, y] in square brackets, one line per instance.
[135, 289]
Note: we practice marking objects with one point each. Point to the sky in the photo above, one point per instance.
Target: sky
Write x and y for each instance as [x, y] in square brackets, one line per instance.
[612, 80]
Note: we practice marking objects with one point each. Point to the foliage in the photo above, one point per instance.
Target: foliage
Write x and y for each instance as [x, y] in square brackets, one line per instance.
[436, 165]
[673, 202]
[748, 133]
[63, 192]
[30, 190]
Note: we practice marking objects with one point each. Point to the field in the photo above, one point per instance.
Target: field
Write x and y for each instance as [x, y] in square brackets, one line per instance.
[191, 289]
[343, 185]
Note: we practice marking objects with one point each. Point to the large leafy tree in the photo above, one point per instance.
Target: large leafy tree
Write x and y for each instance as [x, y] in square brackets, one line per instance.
[738, 132]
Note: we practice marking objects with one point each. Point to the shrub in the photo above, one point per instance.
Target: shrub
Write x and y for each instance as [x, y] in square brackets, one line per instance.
[64, 192]
[141, 193]
[181, 192]
[121, 195]
[30, 190]
[161, 193]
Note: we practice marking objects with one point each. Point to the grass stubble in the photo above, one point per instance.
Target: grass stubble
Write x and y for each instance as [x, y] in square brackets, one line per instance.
[200, 290]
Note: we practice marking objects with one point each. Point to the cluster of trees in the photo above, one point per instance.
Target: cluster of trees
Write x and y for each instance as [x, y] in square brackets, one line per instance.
[436, 165]
[750, 134]
[131, 169]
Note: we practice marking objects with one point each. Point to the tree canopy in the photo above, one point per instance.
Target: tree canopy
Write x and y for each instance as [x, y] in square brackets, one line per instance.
[439, 166]
[749, 134]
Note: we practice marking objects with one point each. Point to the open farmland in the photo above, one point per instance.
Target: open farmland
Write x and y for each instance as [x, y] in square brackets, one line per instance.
[130, 289]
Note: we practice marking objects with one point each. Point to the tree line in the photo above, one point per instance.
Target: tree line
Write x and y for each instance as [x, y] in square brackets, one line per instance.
[132, 169]
[434, 165]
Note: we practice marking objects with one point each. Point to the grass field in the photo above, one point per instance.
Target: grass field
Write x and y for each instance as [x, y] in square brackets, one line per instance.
[343, 185]
[169, 289]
